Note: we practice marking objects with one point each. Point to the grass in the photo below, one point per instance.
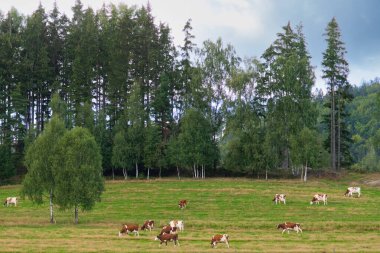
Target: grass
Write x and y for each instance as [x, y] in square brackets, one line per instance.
[240, 207]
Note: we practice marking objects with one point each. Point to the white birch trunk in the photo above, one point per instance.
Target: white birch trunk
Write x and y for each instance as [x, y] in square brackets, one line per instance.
[52, 220]
[305, 177]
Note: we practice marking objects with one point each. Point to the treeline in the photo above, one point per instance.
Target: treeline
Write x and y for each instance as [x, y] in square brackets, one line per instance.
[153, 105]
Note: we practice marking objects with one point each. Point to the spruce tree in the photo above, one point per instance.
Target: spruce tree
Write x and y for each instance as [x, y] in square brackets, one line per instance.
[335, 72]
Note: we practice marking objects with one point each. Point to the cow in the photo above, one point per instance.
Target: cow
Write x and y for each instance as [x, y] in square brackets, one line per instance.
[287, 226]
[168, 230]
[148, 225]
[319, 197]
[219, 238]
[10, 200]
[351, 190]
[178, 224]
[182, 203]
[278, 198]
[164, 238]
[129, 228]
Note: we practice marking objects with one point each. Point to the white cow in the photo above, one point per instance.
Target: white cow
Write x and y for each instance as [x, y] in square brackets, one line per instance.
[10, 200]
[278, 198]
[352, 190]
[319, 197]
[178, 224]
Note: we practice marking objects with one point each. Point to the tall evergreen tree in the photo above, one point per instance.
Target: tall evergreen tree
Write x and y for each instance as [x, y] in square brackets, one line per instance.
[285, 89]
[12, 99]
[335, 72]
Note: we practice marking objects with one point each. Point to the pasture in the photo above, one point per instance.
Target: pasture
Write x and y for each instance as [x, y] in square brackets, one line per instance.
[242, 208]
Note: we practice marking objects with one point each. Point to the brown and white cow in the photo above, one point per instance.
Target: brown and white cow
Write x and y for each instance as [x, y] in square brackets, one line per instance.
[129, 228]
[165, 238]
[319, 197]
[182, 203]
[178, 224]
[148, 225]
[10, 200]
[219, 238]
[168, 230]
[287, 226]
[351, 190]
[278, 198]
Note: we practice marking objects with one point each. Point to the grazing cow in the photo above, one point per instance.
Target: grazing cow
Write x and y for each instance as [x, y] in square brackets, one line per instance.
[164, 238]
[278, 198]
[352, 190]
[319, 197]
[287, 226]
[219, 238]
[178, 224]
[129, 228]
[182, 203]
[148, 225]
[168, 230]
[10, 200]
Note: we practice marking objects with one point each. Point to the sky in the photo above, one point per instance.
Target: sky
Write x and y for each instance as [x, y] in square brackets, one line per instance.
[251, 25]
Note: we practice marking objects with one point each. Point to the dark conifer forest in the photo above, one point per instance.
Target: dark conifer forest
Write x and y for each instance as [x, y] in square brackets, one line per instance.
[158, 109]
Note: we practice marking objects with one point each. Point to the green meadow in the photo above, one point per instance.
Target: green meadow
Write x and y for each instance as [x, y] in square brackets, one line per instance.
[242, 208]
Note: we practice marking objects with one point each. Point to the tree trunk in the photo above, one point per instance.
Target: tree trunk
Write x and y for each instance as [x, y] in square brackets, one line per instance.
[338, 131]
[333, 129]
[125, 173]
[113, 174]
[76, 214]
[301, 173]
[160, 173]
[266, 174]
[52, 220]
[147, 177]
[305, 177]
[137, 170]
[179, 178]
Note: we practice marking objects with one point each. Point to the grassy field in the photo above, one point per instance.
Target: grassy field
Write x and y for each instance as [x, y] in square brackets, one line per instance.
[242, 208]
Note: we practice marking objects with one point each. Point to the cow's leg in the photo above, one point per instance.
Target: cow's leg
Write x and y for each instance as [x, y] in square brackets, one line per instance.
[283, 231]
[228, 245]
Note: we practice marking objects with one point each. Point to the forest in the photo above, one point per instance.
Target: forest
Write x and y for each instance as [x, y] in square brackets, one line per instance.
[158, 109]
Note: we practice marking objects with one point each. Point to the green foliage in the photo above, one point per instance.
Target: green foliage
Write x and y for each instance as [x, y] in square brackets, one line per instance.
[78, 171]
[307, 149]
[363, 123]
[285, 89]
[6, 165]
[40, 158]
[195, 141]
[152, 146]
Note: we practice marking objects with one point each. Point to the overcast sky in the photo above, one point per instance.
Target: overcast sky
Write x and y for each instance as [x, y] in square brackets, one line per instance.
[251, 25]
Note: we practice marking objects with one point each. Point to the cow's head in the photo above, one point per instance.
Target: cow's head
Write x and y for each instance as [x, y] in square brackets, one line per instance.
[314, 199]
[347, 192]
[5, 203]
